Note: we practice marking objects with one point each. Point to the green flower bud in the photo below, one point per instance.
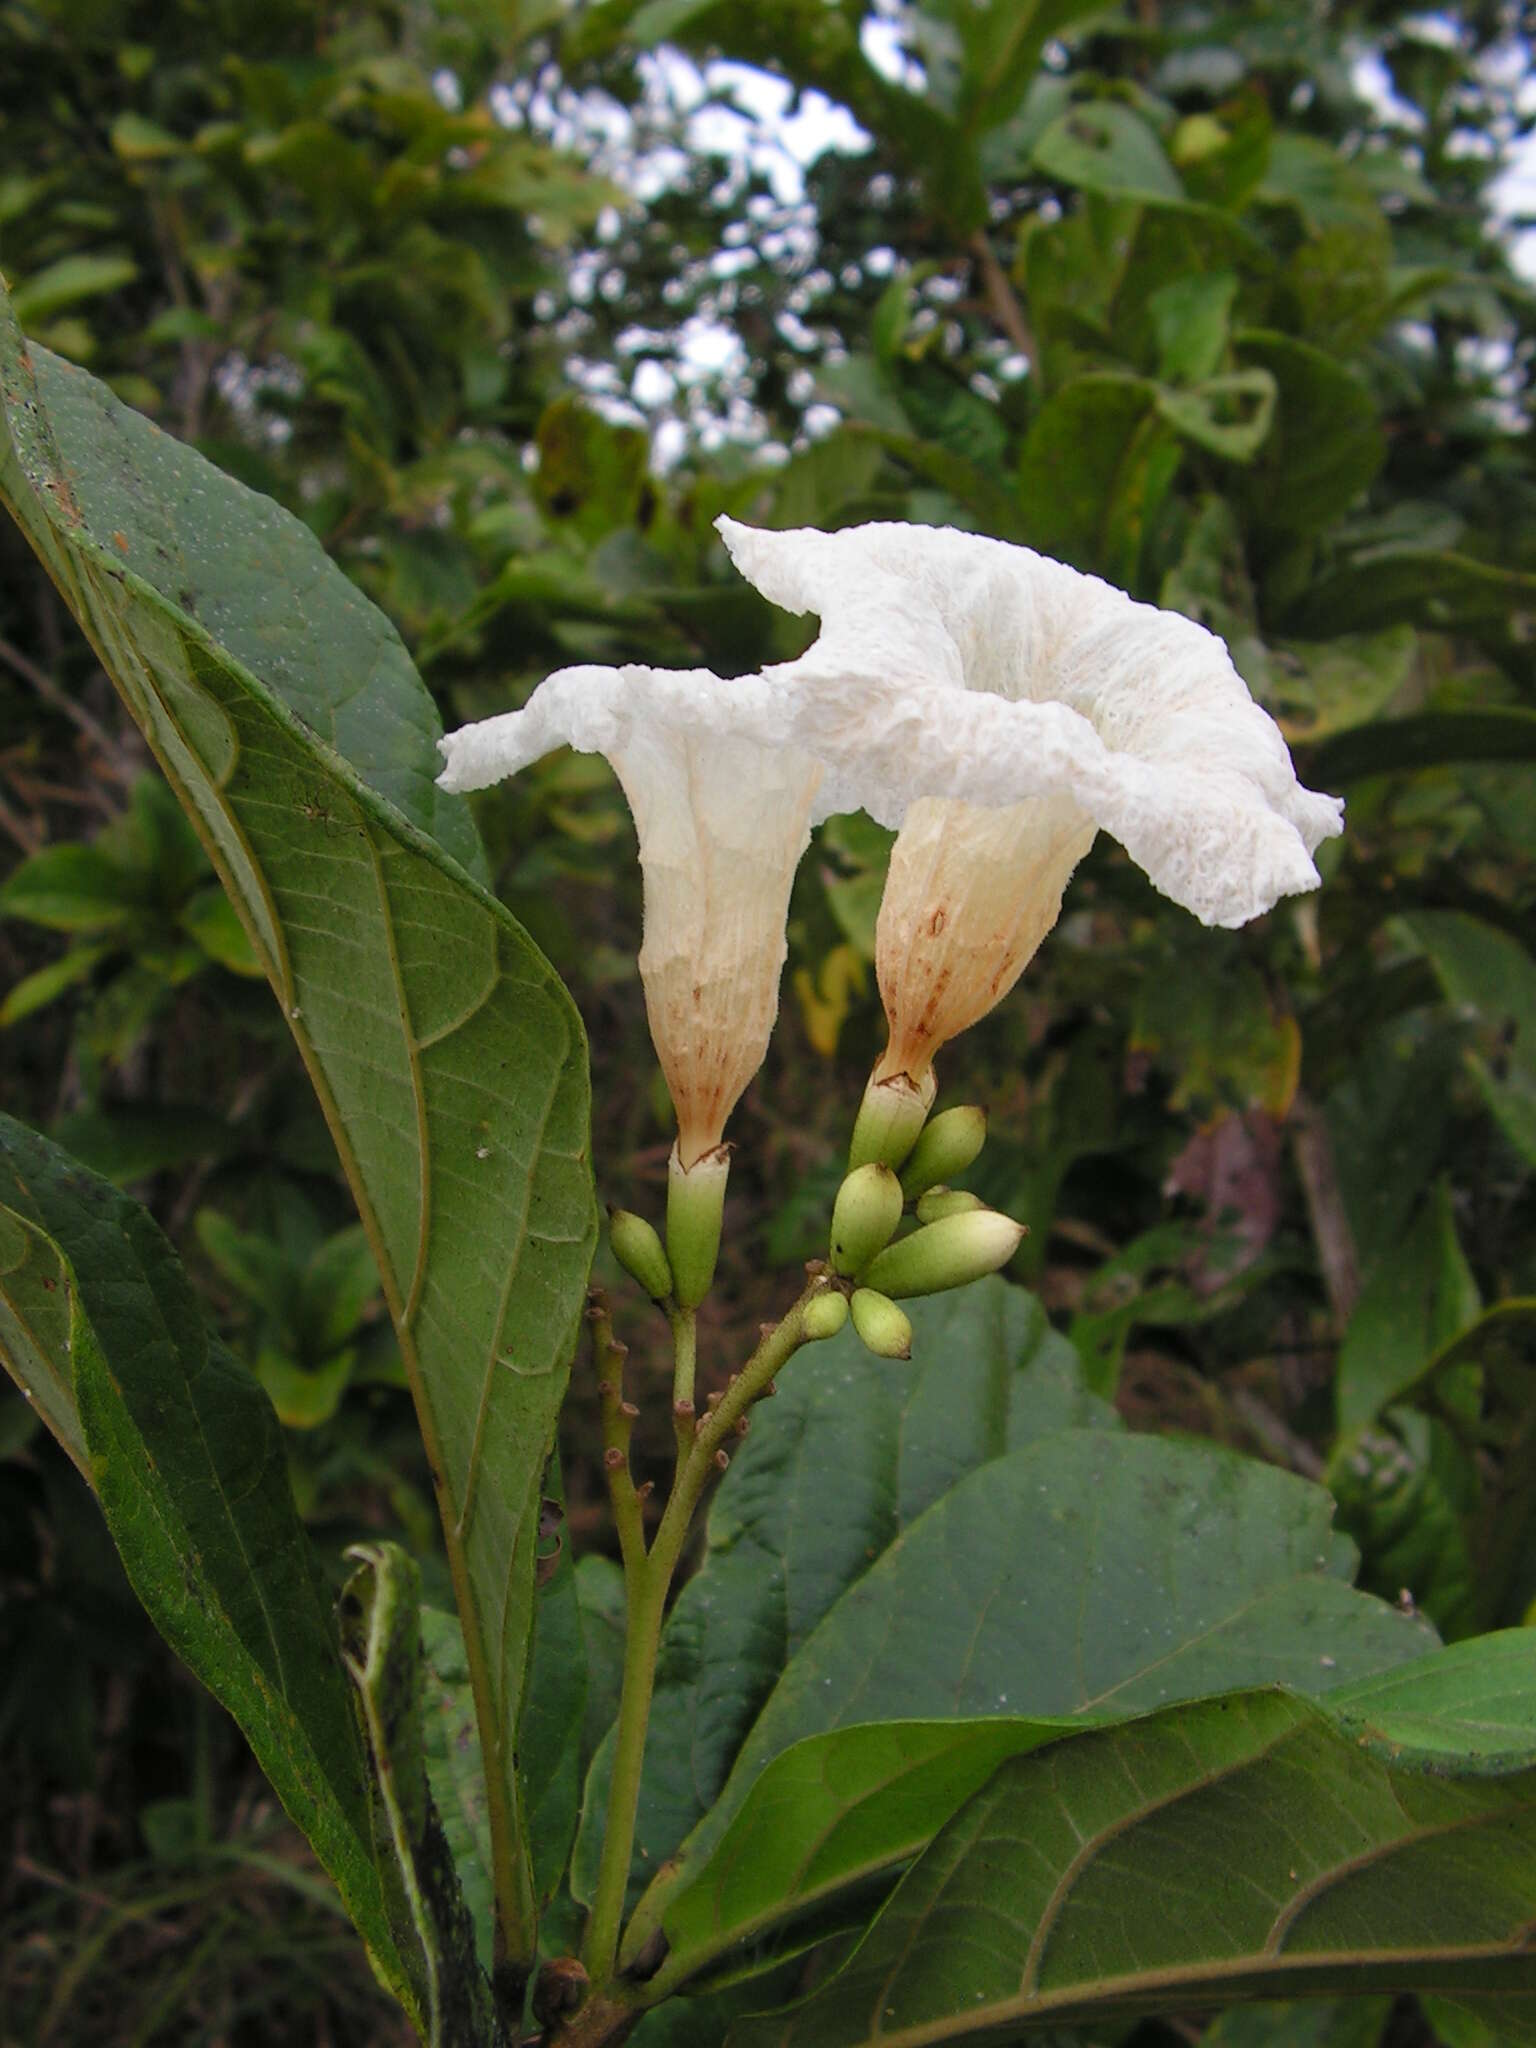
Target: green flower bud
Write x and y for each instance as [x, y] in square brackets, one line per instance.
[640, 1251]
[824, 1316]
[864, 1216]
[947, 1202]
[889, 1119]
[883, 1328]
[947, 1146]
[946, 1254]
[695, 1208]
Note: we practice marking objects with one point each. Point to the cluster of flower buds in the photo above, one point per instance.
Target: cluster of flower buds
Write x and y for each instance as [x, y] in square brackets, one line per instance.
[898, 1160]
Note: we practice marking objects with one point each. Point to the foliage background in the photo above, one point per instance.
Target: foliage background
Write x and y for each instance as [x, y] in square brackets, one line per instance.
[508, 302]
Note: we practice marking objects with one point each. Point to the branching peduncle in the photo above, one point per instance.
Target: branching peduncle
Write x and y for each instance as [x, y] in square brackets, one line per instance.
[648, 1575]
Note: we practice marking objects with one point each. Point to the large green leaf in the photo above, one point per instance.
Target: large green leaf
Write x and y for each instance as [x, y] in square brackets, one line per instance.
[838, 1808]
[447, 1057]
[1237, 1848]
[189, 1465]
[836, 1466]
[1088, 1577]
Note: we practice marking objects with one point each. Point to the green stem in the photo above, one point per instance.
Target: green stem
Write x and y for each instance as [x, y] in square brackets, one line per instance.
[685, 1352]
[646, 1589]
[646, 1604]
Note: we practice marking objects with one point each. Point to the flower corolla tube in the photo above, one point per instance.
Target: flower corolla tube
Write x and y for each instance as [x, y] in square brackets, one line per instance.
[722, 823]
[999, 708]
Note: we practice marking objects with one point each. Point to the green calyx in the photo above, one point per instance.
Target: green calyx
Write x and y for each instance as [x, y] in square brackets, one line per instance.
[890, 1117]
[639, 1250]
[864, 1217]
[882, 1327]
[695, 1210]
[945, 1254]
[947, 1145]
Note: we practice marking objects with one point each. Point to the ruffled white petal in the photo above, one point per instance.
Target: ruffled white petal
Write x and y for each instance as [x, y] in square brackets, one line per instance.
[953, 666]
[722, 822]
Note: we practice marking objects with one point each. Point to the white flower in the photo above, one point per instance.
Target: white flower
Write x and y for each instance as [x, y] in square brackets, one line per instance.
[722, 823]
[997, 706]
[1000, 707]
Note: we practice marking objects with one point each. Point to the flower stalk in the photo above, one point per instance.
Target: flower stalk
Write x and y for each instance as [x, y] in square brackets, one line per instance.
[648, 1579]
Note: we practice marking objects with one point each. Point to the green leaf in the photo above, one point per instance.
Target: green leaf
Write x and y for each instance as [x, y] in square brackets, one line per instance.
[829, 1814]
[1324, 187]
[142, 528]
[549, 1738]
[1101, 146]
[1226, 1850]
[188, 1463]
[304, 1396]
[1491, 978]
[256, 1266]
[1420, 1296]
[1325, 446]
[137, 140]
[448, 1059]
[1429, 739]
[381, 1639]
[69, 282]
[1095, 467]
[600, 1597]
[73, 888]
[822, 1485]
[36, 991]
[1090, 1576]
[590, 472]
[337, 1285]
[945, 463]
[1230, 415]
[212, 920]
[36, 1308]
[1423, 586]
[1002, 48]
[1190, 318]
[456, 1772]
[1316, 688]
[1467, 1707]
[1408, 1493]
[1309, 2023]
[836, 1809]
[131, 1142]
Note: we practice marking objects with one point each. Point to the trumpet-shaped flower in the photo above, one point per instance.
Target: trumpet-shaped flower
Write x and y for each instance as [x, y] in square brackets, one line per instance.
[997, 706]
[722, 823]
[1000, 708]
